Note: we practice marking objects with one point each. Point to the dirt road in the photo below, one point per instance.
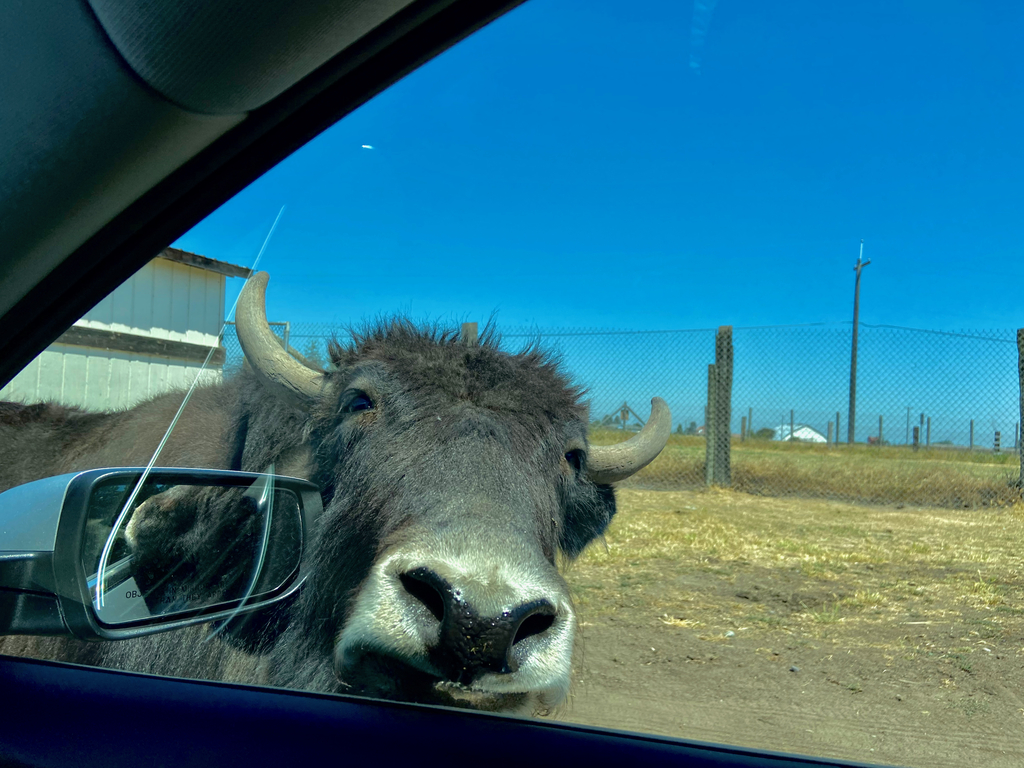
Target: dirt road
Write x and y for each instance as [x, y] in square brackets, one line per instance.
[882, 657]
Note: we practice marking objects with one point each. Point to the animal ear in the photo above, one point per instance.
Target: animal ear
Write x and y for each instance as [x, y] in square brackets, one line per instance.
[586, 518]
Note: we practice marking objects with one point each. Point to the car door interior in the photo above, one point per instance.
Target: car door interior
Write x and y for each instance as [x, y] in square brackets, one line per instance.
[104, 164]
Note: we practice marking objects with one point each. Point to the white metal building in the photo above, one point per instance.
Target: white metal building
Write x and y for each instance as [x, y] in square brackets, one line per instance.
[149, 336]
[801, 432]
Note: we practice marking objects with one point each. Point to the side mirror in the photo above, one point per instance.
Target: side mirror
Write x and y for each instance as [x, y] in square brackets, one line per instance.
[99, 555]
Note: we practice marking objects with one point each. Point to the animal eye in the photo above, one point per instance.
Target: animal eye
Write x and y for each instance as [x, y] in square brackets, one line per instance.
[575, 459]
[360, 402]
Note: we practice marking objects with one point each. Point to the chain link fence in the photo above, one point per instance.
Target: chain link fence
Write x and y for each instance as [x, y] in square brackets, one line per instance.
[790, 406]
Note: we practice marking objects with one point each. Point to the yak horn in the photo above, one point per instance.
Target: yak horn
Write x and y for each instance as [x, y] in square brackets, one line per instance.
[611, 463]
[278, 371]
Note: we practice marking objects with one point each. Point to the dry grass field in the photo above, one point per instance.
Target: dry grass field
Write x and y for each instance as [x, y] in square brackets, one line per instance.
[874, 633]
[942, 477]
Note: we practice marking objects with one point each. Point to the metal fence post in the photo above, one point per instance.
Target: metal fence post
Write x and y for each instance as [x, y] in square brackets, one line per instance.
[917, 437]
[743, 429]
[995, 443]
[837, 427]
[880, 433]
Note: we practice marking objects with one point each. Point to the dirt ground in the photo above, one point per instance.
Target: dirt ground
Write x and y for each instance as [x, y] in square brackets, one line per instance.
[890, 635]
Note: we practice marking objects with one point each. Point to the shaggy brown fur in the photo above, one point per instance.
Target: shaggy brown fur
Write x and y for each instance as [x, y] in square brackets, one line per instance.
[447, 422]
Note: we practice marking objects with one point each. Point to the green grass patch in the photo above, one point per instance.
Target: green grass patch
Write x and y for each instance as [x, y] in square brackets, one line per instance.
[810, 568]
[948, 478]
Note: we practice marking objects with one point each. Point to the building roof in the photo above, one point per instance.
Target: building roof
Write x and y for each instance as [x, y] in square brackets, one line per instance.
[202, 262]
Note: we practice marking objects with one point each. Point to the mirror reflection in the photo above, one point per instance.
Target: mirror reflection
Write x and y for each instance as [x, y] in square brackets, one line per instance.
[182, 547]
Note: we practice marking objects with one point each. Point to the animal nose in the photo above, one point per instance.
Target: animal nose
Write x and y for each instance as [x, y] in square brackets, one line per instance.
[471, 642]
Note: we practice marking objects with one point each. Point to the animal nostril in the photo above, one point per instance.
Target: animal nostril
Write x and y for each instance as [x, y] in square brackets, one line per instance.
[420, 587]
[534, 624]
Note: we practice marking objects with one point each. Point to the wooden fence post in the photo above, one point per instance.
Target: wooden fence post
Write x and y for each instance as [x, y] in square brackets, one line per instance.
[709, 428]
[723, 403]
[1020, 378]
[469, 334]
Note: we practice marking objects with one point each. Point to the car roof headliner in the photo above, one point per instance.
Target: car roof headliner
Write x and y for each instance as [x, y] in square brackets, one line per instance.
[125, 122]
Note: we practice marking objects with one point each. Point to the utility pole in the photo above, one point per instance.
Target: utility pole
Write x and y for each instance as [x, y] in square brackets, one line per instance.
[851, 423]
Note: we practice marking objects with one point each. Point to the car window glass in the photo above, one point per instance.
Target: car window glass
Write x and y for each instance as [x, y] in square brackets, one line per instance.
[659, 366]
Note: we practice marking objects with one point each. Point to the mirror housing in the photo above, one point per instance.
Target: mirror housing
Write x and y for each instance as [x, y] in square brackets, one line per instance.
[51, 530]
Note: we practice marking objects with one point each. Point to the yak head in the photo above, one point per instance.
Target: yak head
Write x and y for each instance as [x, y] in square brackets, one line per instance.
[455, 479]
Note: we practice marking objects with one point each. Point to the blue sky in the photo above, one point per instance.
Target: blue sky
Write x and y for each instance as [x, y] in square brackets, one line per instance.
[660, 165]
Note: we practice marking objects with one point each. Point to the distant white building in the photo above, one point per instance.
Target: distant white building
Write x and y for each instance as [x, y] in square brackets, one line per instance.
[801, 432]
[149, 336]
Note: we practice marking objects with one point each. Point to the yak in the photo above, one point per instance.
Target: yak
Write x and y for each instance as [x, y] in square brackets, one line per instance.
[456, 479]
